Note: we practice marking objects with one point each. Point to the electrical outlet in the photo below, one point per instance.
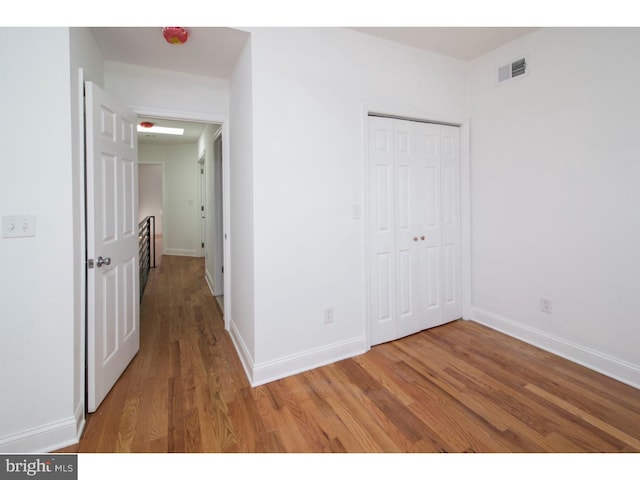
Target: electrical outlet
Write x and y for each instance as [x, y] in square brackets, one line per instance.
[545, 305]
[328, 315]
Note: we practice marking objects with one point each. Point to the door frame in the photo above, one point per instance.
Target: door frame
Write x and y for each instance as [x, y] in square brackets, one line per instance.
[402, 113]
[223, 121]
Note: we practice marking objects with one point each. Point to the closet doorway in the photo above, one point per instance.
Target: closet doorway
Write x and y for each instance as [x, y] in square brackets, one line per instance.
[414, 233]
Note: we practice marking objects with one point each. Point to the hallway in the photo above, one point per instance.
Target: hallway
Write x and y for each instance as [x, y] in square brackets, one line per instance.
[168, 398]
[457, 388]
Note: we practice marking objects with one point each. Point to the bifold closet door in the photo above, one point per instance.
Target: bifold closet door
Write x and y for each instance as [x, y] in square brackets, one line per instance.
[414, 226]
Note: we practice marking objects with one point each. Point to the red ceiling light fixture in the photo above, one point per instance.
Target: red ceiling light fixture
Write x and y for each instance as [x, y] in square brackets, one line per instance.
[146, 124]
[175, 35]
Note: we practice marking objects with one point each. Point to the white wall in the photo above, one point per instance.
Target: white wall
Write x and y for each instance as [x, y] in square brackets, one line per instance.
[239, 305]
[555, 178]
[181, 217]
[151, 90]
[150, 193]
[311, 90]
[38, 359]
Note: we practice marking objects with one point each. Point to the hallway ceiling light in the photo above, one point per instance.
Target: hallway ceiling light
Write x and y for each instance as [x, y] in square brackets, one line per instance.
[155, 129]
[175, 35]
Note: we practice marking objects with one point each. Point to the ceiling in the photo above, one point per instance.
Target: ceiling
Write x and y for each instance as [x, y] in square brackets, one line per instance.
[209, 52]
[463, 43]
[192, 132]
[212, 52]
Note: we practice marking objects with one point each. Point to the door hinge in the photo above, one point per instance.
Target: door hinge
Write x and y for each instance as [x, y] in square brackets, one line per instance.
[202, 208]
[90, 263]
[223, 269]
[202, 244]
[201, 170]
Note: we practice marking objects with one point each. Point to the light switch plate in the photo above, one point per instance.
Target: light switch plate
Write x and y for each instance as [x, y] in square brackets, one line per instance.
[14, 226]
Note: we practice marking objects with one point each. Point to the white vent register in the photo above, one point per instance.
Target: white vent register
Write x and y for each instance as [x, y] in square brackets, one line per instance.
[512, 70]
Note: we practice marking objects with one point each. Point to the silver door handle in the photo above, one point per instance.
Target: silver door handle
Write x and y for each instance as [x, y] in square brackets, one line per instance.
[103, 261]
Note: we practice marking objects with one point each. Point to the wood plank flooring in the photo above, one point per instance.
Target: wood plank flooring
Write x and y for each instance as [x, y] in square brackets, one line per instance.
[460, 387]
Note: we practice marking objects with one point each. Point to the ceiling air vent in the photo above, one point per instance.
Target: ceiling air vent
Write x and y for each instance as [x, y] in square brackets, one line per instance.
[512, 70]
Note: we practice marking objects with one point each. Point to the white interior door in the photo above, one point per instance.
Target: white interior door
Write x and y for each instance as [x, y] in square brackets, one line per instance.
[218, 225]
[382, 240]
[450, 211]
[414, 223]
[407, 199]
[113, 294]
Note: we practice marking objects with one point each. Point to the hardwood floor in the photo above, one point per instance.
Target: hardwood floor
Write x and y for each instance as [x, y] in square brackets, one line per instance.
[460, 387]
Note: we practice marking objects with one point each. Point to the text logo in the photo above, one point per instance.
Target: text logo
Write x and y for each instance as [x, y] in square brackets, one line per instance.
[58, 467]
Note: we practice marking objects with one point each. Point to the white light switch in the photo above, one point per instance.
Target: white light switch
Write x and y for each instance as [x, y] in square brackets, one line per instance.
[19, 226]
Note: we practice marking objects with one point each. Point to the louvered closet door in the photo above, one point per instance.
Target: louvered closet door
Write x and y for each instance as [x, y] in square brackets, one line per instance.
[414, 211]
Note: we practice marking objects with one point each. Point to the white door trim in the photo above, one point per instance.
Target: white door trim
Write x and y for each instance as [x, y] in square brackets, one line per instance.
[465, 217]
[402, 113]
[82, 254]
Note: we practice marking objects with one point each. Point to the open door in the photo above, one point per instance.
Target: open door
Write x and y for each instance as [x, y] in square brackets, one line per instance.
[218, 219]
[113, 295]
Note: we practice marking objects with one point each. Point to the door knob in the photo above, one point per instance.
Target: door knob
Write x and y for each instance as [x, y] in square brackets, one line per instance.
[103, 261]
[422, 237]
[415, 239]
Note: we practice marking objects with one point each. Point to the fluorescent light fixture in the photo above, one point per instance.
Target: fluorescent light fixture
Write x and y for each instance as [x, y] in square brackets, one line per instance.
[165, 130]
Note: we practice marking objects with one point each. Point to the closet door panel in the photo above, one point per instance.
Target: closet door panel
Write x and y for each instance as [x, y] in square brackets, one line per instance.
[407, 165]
[381, 219]
[450, 181]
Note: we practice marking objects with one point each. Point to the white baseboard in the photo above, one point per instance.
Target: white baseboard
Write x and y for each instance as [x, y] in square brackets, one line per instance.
[300, 362]
[181, 252]
[209, 280]
[80, 422]
[600, 362]
[43, 439]
[246, 358]
[259, 374]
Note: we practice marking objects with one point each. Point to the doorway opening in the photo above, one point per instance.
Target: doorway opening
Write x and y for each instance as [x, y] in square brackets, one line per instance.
[192, 193]
[194, 200]
[181, 158]
[172, 194]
